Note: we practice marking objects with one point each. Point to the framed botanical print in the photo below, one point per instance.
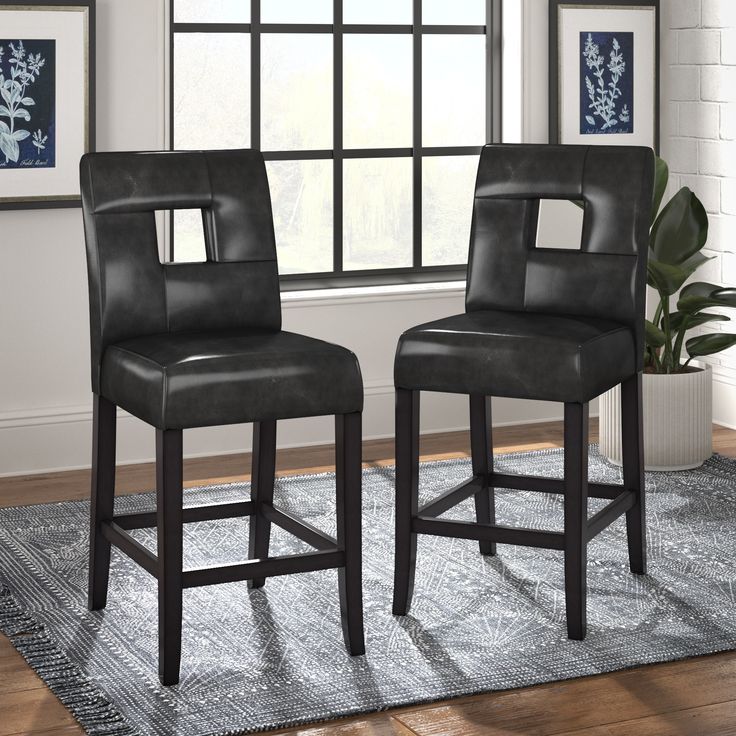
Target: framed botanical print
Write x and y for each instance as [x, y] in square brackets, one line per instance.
[604, 72]
[47, 77]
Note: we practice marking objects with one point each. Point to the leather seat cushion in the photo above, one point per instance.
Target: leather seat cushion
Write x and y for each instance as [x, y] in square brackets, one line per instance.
[181, 380]
[521, 355]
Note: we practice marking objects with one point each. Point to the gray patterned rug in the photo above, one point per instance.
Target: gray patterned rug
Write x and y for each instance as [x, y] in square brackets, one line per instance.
[273, 657]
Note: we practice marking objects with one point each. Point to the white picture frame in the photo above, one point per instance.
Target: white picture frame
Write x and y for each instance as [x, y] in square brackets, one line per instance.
[47, 106]
[604, 73]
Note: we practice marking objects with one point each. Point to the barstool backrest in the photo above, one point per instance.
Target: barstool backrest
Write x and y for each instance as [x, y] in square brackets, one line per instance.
[131, 292]
[606, 277]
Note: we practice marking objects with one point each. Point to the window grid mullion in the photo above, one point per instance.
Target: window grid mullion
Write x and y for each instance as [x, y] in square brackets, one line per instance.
[362, 28]
[338, 153]
[172, 40]
[337, 137]
[417, 137]
[489, 74]
[347, 153]
[493, 71]
[255, 74]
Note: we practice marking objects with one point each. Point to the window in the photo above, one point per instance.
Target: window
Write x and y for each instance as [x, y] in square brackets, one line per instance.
[370, 113]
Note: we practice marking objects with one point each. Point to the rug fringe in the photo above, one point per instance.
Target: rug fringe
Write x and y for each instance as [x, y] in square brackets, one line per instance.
[87, 703]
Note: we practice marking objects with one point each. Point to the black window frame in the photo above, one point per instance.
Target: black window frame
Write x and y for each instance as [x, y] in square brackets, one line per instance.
[338, 277]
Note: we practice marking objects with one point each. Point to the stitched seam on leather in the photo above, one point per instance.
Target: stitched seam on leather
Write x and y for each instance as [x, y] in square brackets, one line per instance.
[215, 240]
[582, 194]
[256, 260]
[164, 388]
[91, 188]
[97, 267]
[607, 334]
[579, 356]
[527, 228]
[164, 381]
[138, 355]
[639, 314]
[319, 351]
[166, 295]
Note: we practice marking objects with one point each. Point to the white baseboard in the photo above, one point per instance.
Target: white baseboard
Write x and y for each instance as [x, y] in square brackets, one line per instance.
[59, 438]
[724, 399]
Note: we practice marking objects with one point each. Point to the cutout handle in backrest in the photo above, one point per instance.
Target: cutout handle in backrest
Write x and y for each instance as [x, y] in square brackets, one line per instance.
[560, 225]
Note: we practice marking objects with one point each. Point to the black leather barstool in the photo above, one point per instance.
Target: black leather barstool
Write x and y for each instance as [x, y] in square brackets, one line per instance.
[200, 344]
[548, 324]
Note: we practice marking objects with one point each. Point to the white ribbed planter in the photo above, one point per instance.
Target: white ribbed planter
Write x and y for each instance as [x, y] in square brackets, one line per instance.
[678, 416]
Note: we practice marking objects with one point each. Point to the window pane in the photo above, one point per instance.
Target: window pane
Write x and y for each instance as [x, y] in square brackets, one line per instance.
[448, 185]
[377, 11]
[211, 90]
[377, 91]
[377, 213]
[453, 90]
[296, 91]
[296, 11]
[301, 192]
[457, 12]
[188, 236]
[211, 11]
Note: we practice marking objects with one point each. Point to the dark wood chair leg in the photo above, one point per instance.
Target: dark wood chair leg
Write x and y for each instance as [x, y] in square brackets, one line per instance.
[632, 449]
[348, 479]
[576, 517]
[482, 454]
[169, 496]
[407, 497]
[261, 491]
[102, 499]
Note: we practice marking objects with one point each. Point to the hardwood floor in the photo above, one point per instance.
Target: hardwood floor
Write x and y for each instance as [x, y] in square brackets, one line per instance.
[695, 697]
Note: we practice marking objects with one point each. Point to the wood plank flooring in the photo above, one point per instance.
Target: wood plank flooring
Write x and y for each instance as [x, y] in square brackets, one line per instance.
[696, 697]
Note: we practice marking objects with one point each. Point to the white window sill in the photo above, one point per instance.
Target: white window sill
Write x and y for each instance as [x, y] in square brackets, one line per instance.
[358, 294]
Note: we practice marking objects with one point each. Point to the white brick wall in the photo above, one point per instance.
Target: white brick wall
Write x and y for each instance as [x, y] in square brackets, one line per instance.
[699, 141]
[699, 119]
[685, 14]
[728, 197]
[718, 83]
[728, 121]
[717, 13]
[685, 82]
[699, 47]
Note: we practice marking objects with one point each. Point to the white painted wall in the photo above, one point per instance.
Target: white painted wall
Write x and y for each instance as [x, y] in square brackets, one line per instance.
[45, 402]
[699, 141]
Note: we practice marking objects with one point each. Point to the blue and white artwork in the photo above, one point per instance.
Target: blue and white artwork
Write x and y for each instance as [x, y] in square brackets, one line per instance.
[27, 104]
[606, 83]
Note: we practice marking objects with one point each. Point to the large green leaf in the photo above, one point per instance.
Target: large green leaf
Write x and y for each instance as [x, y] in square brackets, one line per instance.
[694, 320]
[699, 288]
[709, 344]
[661, 176]
[700, 295]
[654, 337]
[667, 278]
[726, 295]
[680, 230]
[695, 261]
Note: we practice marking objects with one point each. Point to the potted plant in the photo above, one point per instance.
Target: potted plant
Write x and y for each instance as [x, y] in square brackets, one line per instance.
[676, 388]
